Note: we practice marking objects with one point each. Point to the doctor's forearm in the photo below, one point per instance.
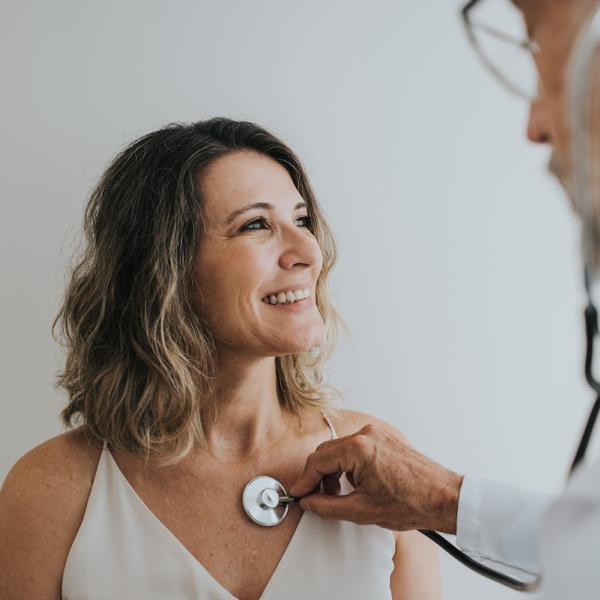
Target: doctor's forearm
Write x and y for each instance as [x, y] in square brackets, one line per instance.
[429, 498]
[426, 493]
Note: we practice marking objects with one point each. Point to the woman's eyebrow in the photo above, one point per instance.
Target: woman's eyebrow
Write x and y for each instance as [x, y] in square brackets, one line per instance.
[248, 207]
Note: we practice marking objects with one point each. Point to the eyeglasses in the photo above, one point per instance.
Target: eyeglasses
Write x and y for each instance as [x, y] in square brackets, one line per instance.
[509, 56]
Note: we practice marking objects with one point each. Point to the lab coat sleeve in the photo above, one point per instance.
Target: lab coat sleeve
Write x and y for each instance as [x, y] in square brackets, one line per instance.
[571, 538]
[500, 525]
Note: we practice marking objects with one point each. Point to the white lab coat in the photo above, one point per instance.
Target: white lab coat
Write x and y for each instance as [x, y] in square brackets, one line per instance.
[522, 532]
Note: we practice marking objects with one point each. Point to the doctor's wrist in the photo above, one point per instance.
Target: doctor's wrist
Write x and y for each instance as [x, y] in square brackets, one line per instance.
[446, 502]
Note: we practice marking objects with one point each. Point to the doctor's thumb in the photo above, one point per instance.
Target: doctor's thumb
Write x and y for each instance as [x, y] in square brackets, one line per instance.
[343, 508]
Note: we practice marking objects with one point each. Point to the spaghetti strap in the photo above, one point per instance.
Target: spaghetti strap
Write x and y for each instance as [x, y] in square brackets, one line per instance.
[104, 445]
[333, 433]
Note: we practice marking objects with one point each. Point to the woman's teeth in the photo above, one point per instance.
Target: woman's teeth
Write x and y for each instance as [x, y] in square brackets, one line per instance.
[287, 297]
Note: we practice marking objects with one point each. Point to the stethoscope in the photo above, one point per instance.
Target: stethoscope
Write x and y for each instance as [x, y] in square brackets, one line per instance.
[266, 501]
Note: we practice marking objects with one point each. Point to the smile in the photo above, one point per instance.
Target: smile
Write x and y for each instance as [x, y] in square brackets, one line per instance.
[284, 298]
[295, 306]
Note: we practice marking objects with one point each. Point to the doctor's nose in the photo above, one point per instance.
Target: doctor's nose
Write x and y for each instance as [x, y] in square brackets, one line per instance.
[539, 129]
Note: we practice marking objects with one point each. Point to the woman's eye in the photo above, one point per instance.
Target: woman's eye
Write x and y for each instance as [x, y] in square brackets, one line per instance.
[307, 219]
[248, 227]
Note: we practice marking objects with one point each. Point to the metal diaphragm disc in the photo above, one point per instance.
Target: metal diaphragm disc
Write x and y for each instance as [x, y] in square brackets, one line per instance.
[261, 501]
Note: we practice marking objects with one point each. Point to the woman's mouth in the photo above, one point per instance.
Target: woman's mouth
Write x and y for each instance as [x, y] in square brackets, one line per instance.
[287, 298]
[291, 301]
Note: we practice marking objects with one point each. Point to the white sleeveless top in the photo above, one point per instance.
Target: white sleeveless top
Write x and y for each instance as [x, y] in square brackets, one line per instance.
[122, 551]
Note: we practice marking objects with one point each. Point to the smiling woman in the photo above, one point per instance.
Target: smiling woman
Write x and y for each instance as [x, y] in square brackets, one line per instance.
[196, 324]
[167, 244]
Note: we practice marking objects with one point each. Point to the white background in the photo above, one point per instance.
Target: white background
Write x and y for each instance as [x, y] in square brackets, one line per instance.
[458, 268]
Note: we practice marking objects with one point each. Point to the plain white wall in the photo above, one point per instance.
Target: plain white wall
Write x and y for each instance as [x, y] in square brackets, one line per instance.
[458, 268]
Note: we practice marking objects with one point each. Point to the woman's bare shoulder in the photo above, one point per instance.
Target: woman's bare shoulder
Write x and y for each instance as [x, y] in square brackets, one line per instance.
[68, 459]
[42, 503]
[351, 421]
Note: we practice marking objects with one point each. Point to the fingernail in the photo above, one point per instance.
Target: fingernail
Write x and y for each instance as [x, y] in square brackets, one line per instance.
[303, 504]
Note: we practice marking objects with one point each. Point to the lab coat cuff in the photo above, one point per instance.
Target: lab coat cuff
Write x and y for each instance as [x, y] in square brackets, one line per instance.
[468, 521]
[501, 522]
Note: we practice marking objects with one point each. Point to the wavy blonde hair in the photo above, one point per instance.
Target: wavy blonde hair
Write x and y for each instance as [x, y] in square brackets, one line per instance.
[140, 360]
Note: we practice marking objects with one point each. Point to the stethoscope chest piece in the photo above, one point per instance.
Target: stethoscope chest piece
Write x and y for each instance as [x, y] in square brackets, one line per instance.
[265, 500]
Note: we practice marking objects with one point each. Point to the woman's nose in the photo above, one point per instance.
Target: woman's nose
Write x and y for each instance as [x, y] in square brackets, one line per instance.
[299, 246]
[539, 125]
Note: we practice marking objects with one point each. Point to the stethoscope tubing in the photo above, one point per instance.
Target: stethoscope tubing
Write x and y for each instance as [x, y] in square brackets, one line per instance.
[591, 330]
[479, 568]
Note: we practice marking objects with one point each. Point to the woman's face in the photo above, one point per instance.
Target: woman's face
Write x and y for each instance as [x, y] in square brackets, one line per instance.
[244, 257]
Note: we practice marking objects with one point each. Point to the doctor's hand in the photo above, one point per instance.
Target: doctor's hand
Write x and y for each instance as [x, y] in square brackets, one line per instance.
[396, 487]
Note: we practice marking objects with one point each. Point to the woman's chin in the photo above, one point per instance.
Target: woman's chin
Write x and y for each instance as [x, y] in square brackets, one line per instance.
[298, 348]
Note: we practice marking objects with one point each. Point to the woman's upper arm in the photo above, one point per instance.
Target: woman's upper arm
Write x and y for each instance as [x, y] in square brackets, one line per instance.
[42, 502]
[416, 574]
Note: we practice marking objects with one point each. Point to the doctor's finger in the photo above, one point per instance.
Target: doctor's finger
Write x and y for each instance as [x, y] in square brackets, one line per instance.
[350, 507]
[323, 462]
